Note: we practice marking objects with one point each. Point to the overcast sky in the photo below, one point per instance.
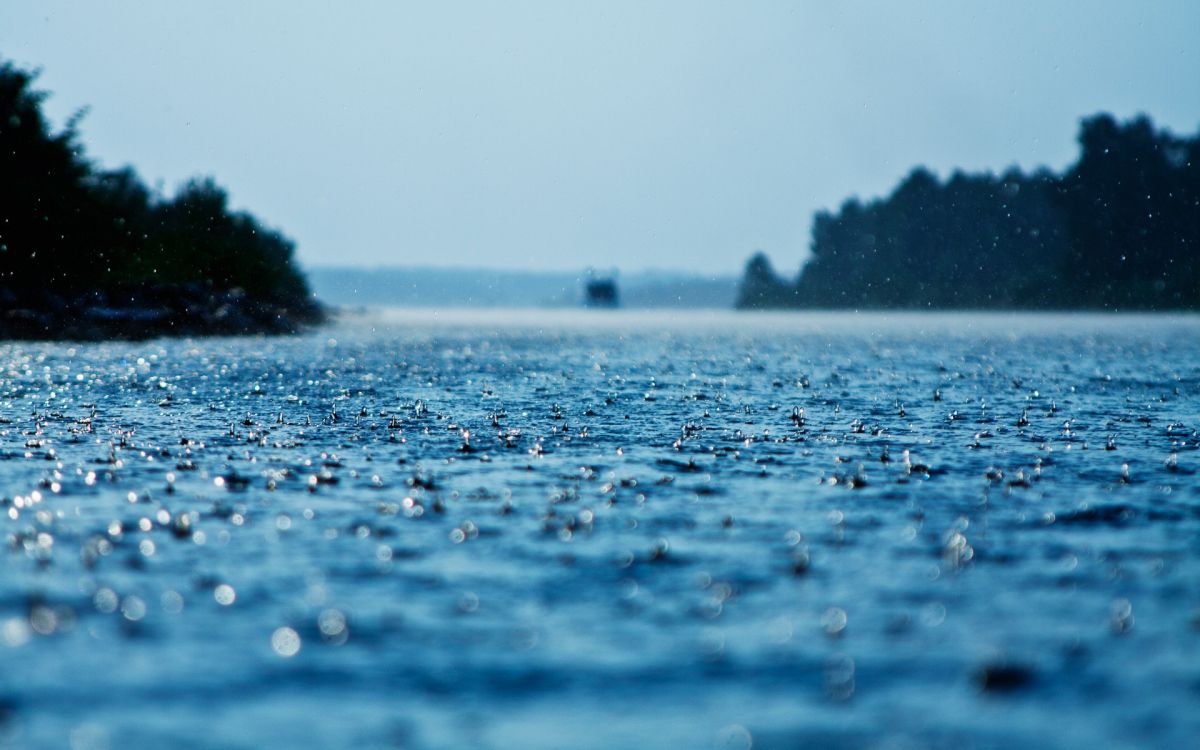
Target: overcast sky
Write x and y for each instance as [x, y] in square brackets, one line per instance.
[560, 135]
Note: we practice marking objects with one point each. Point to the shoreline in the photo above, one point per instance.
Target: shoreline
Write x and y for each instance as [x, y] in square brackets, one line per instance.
[150, 311]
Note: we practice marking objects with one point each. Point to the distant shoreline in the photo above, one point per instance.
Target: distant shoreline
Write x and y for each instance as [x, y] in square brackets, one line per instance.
[424, 286]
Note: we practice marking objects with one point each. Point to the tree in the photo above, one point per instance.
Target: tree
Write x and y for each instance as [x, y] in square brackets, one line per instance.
[69, 231]
[1120, 229]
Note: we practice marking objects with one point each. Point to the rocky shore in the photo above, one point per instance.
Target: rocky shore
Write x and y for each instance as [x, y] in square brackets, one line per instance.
[150, 311]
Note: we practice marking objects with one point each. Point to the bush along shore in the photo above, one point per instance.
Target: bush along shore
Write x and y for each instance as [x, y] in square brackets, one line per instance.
[1117, 230]
[87, 253]
[148, 311]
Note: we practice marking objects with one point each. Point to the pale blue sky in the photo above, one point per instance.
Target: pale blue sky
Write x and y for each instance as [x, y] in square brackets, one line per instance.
[557, 135]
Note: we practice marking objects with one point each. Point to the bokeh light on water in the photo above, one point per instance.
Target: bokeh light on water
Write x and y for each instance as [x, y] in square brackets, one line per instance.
[557, 529]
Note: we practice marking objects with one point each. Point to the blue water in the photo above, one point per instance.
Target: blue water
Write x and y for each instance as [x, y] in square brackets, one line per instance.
[553, 529]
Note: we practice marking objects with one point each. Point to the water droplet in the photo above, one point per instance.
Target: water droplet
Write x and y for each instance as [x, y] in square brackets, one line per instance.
[834, 621]
[285, 642]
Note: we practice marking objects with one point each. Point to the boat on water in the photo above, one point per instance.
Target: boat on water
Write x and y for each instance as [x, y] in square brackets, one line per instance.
[601, 292]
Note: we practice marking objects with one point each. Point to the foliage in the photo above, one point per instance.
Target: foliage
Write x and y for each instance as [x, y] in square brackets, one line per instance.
[761, 287]
[69, 228]
[1119, 230]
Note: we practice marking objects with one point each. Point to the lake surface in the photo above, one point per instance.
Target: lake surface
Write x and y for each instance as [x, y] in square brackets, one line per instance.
[550, 529]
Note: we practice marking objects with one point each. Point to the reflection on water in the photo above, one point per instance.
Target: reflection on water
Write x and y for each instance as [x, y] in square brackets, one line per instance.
[570, 529]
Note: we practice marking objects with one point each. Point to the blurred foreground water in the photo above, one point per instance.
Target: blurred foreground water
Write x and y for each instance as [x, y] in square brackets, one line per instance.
[551, 529]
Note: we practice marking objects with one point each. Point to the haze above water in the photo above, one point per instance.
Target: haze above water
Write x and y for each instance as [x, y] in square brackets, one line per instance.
[570, 529]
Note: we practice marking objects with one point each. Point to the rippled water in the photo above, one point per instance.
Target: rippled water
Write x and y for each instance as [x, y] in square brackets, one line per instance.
[598, 530]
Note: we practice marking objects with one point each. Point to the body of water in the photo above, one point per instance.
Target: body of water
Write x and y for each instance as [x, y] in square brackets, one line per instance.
[557, 529]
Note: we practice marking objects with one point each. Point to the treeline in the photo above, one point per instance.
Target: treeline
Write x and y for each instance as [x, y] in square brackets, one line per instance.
[92, 252]
[1119, 230]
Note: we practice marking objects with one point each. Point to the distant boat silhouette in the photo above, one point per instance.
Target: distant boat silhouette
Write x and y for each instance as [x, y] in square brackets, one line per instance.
[600, 291]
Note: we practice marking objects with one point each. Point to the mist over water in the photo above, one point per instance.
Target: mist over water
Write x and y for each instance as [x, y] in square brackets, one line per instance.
[580, 529]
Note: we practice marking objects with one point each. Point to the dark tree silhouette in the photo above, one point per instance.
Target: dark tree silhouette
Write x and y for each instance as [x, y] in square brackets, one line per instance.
[45, 204]
[761, 287]
[1132, 205]
[92, 253]
[1119, 230]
